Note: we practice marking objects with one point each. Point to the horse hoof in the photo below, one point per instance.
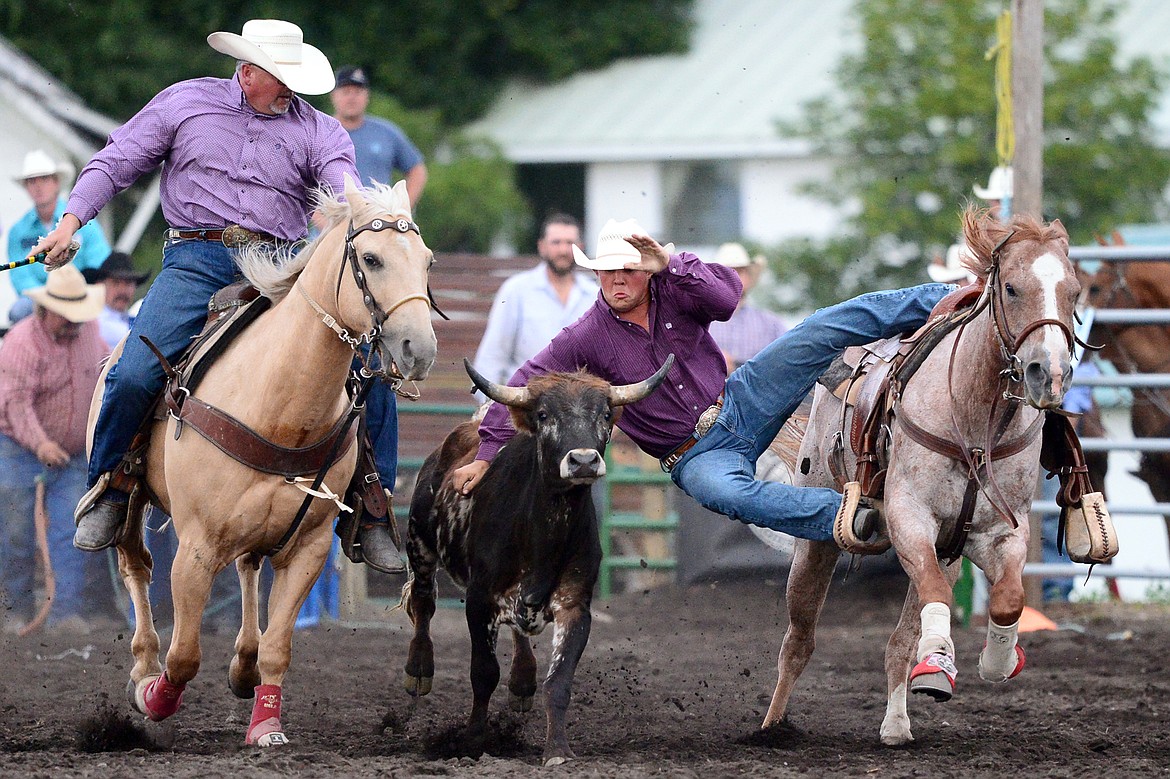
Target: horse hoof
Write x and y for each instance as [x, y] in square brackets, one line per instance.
[156, 697]
[267, 733]
[934, 676]
[1019, 662]
[417, 686]
[999, 677]
[558, 760]
[520, 703]
[243, 685]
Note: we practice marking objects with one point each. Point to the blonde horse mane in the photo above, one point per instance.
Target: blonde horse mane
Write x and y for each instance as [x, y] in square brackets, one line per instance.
[274, 271]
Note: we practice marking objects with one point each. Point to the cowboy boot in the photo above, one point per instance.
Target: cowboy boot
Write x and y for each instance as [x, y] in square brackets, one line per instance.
[377, 545]
[100, 516]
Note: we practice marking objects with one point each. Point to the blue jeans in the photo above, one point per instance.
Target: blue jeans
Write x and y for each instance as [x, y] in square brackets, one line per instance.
[382, 425]
[1052, 589]
[719, 470]
[64, 486]
[173, 313]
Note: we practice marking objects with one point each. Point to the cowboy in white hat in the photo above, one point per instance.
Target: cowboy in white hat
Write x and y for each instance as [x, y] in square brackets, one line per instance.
[998, 194]
[48, 370]
[236, 169]
[43, 179]
[708, 428]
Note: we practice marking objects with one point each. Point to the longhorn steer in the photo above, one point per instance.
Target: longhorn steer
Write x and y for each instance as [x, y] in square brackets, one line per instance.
[524, 544]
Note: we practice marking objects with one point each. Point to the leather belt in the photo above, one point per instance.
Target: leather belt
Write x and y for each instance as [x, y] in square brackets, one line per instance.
[232, 236]
[702, 427]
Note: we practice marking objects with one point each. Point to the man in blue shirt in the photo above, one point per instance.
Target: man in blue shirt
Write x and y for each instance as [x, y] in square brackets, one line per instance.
[43, 179]
[380, 145]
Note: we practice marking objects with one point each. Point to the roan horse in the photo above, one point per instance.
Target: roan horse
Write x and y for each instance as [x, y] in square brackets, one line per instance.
[1014, 347]
[284, 377]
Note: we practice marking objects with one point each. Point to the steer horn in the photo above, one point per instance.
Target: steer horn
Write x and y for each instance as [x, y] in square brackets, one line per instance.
[516, 397]
[631, 393]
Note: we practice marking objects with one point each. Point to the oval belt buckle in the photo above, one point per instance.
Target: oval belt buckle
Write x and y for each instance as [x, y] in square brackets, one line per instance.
[706, 421]
[235, 236]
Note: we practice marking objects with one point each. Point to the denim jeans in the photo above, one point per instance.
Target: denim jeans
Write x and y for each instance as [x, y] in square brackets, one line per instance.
[64, 486]
[172, 313]
[719, 470]
[382, 425]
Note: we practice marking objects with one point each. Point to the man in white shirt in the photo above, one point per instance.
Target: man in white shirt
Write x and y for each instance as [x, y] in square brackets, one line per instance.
[532, 307]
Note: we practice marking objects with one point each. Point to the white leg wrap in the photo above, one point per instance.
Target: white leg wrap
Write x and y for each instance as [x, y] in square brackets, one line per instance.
[998, 658]
[936, 631]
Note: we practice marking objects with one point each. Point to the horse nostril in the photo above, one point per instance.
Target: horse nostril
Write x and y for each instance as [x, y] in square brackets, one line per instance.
[1036, 373]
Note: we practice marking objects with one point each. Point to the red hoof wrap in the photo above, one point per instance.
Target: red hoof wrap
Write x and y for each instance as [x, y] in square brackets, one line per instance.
[162, 698]
[934, 676]
[265, 729]
[1019, 662]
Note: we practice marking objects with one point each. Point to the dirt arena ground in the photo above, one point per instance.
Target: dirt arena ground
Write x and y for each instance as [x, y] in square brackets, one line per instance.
[673, 683]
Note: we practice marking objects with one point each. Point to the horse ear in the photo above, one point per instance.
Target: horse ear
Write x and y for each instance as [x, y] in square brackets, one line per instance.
[1061, 233]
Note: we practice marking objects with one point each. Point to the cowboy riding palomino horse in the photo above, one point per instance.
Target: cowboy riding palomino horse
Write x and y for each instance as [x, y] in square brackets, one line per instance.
[284, 381]
[960, 414]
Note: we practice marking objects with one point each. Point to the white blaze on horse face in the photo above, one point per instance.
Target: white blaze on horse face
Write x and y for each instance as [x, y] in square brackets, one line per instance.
[1050, 269]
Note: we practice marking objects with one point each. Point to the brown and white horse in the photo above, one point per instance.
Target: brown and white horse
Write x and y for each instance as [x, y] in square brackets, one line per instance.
[284, 377]
[1018, 347]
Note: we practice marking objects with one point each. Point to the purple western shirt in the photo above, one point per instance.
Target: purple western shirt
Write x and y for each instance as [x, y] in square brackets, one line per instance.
[223, 162]
[685, 298]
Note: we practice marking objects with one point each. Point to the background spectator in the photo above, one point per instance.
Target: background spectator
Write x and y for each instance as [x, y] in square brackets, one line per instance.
[49, 365]
[44, 179]
[121, 281]
[750, 329]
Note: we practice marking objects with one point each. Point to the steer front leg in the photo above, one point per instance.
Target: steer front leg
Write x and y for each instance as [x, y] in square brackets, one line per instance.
[485, 669]
[572, 621]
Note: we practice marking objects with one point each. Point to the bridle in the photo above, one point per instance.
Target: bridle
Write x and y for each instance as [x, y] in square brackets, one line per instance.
[378, 314]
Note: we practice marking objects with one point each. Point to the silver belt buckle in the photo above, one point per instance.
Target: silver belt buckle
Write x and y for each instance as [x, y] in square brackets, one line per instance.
[707, 420]
[235, 236]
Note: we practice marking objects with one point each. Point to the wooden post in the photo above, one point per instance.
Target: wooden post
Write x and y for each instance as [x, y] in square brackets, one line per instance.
[1028, 165]
[1028, 105]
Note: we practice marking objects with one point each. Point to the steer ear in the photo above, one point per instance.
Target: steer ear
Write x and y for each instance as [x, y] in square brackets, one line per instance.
[631, 393]
[516, 397]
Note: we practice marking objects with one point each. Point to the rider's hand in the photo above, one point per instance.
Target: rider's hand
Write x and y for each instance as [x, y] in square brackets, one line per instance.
[59, 246]
[52, 455]
[468, 476]
[654, 257]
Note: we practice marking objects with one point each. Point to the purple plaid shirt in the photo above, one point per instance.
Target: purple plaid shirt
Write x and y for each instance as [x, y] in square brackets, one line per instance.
[684, 299]
[223, 163]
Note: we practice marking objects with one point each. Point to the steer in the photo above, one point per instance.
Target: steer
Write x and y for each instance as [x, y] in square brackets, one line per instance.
[524, 544]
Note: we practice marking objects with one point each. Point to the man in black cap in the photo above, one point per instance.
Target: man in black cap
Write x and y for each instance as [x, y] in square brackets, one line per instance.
[381, 146]
[121, 281]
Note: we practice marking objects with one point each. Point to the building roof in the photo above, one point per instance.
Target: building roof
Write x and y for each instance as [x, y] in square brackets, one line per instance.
[721, 99]
[750, 64]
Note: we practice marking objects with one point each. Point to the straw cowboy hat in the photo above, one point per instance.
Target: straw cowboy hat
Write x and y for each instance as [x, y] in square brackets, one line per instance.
[614, 252]
[278, 47]
[952, 270]
[67, 294]
[117, 266]
[733, 255]
[38, 163]
[999, 185]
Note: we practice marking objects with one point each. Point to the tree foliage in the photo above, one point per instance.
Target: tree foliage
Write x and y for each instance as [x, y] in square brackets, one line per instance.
[435, 63]
[912, 126]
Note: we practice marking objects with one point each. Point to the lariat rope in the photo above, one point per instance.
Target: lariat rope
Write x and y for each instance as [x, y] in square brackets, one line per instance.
[1005, 128]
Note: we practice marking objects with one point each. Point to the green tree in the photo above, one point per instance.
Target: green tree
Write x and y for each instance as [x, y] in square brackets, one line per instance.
[436, 64]
[912, 125]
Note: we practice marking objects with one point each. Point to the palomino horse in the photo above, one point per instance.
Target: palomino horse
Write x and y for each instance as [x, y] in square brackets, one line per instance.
[967, 393]
[284, 377]
[1139, 349]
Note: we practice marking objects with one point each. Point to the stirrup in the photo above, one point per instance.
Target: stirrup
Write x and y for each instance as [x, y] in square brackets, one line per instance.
[91, 497]
[843, 533]
[1089, 534]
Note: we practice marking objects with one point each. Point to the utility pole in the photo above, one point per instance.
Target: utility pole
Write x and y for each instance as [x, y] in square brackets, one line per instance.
[1028, 105]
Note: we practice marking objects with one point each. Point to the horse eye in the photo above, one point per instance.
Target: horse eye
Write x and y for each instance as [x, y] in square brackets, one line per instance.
[608, 414]
[371, 260]
[1010, 290]
[542, 416]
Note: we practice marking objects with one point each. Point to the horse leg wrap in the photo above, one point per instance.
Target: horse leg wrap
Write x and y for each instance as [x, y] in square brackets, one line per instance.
[265, 729]
[161, 698]
[1001, 658]
[935, 672]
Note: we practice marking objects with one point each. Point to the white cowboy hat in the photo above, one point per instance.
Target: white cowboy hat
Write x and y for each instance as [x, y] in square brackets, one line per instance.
[614, 252]
[733, 255]
[67, 294]
[39, 163]
[952, 270]
[280, 48]
[999, 185]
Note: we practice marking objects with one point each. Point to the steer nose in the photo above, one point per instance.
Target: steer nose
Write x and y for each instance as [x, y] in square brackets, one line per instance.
[582, 464]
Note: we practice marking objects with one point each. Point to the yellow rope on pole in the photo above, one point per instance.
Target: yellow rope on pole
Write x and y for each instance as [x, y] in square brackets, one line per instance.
[1005, 128]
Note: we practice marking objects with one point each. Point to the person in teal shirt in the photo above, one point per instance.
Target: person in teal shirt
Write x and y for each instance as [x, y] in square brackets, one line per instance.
[43, 179]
